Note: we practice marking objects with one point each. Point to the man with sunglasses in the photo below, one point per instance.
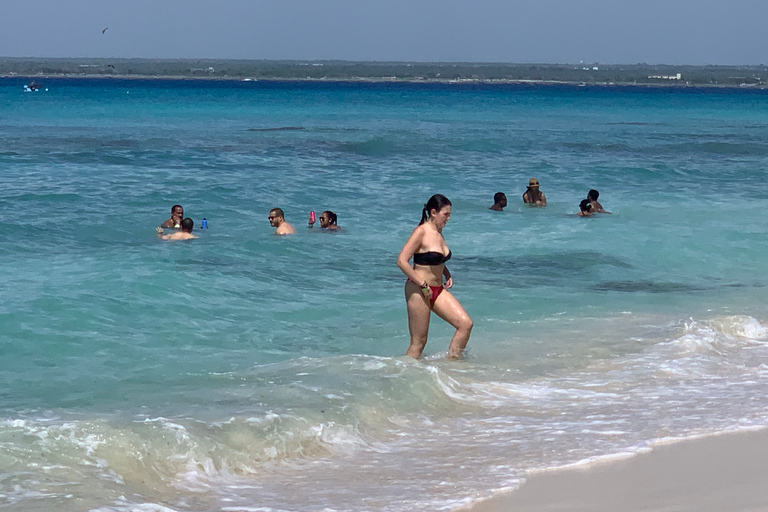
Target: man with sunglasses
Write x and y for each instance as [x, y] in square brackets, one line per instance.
[277, 220]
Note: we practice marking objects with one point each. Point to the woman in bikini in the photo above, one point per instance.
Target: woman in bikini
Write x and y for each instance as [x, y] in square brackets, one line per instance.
[533, 195]
[425, 290]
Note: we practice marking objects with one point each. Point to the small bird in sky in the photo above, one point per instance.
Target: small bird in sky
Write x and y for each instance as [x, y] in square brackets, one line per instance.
[104, 30]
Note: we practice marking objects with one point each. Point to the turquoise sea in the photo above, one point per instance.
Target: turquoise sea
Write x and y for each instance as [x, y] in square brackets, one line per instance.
[248, 372]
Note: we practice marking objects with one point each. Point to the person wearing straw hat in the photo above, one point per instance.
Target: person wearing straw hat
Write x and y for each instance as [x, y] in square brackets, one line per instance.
[533, 195]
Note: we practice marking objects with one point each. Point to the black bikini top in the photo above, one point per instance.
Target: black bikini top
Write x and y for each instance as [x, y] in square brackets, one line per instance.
[430, 258]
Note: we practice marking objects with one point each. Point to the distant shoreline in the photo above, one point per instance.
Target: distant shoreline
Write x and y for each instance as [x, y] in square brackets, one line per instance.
[382, 80]
[635, 75]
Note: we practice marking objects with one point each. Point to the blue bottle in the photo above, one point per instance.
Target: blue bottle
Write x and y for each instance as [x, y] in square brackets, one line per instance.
[204, 224]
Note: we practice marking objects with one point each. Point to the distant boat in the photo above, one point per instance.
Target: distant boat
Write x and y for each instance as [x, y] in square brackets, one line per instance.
[33, 87]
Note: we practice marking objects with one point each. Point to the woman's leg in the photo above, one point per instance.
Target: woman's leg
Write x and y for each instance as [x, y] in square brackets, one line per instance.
[418, 319]
[449, 309]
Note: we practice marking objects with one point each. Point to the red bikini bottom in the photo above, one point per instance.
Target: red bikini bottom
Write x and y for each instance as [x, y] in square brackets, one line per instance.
[434, 293]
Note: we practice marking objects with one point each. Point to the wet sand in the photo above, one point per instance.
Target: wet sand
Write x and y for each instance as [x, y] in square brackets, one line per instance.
[724, 473]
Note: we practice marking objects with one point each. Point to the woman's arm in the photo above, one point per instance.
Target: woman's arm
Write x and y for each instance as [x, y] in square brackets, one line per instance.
[409, 249]
[448, 278]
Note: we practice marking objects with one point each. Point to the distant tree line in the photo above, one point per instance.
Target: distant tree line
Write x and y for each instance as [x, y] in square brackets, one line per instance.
[756, 76]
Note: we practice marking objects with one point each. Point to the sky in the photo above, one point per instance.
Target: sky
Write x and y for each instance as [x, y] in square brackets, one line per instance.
[696, 32]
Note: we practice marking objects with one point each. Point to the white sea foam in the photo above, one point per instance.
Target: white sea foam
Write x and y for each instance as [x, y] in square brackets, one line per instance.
[582, 415]
[126, 506]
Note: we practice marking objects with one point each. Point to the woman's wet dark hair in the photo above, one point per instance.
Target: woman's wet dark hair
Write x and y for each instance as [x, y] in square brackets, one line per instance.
[585, 205]
[437, 202]
[330, 215]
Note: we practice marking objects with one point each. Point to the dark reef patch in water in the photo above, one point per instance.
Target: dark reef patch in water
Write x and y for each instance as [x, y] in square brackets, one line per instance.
[720, 148]
[549, 270]
[375, 147]
[646, 287]
[278, 129]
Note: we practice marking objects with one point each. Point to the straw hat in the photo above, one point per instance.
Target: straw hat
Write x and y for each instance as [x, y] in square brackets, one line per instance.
[533, 182]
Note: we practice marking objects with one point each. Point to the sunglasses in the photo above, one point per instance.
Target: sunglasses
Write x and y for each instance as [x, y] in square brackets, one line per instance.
[271, 218]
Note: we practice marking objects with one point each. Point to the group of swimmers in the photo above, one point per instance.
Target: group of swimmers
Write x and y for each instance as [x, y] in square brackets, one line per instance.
[428, 279]
[534, 196]
[276, 217]
[184, 225]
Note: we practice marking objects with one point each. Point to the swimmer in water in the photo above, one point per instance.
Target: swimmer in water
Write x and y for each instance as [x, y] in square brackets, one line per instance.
[592, 195]
[187, 225]
[533, 195]
[426, 289]
[177, 214]
[328, 220]
[586, 208]
[277, 220]
[499, 202]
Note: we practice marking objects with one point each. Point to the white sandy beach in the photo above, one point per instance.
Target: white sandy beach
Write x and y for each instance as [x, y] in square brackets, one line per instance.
[725, 473]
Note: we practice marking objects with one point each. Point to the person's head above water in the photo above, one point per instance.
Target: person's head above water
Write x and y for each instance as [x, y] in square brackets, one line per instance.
[177, 213]
[436, 203]
[328, 220]
[185, 233]
[533, 195]
[585, 205]
[276, 217]
[592, 195]
[187, 225]
[499, 201]
[277, 220]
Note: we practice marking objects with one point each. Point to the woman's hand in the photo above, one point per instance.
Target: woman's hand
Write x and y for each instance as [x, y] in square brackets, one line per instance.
[448, 279]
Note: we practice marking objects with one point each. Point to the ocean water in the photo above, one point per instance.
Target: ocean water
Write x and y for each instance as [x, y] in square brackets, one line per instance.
[244, 371]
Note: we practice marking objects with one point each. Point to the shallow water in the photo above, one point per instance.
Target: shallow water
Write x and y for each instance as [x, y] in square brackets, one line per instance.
[242, 371]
